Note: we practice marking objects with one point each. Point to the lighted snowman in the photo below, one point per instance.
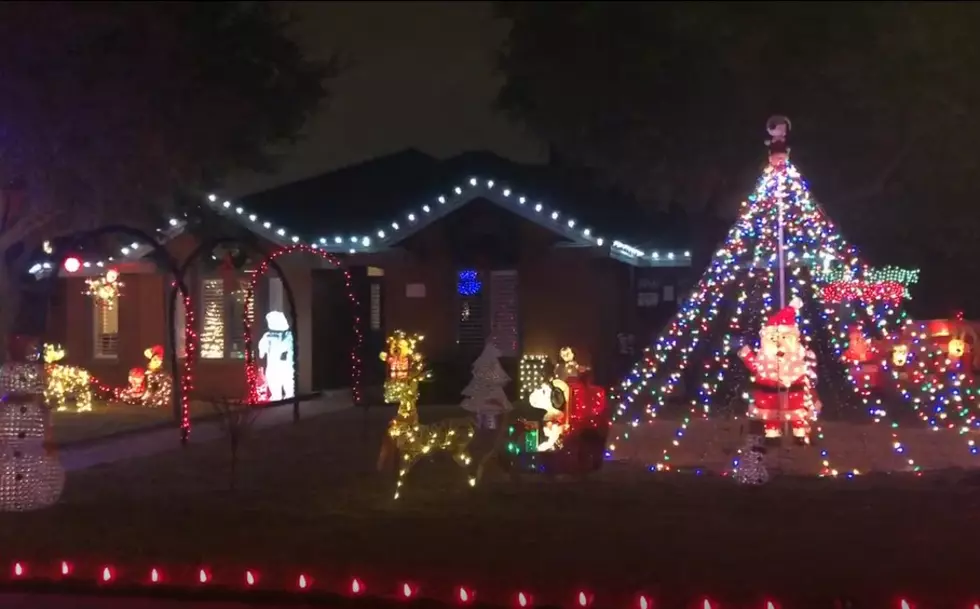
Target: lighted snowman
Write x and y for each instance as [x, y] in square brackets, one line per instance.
[782, 376]
[276, 346]
[31, 476]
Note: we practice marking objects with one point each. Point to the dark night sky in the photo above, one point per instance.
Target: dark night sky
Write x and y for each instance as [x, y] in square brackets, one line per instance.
[422, 76]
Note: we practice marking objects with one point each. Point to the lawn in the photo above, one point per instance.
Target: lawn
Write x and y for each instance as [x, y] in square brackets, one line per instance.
[112, 418]
[308, 498]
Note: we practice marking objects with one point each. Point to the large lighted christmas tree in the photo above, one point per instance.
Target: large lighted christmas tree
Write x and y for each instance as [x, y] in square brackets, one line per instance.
[768, 278]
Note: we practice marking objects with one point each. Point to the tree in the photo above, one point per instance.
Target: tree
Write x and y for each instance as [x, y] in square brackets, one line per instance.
[110, 109]
[666, 99]
[485, 393]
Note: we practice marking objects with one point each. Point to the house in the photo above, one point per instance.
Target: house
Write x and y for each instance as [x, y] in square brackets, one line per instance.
[461, 250]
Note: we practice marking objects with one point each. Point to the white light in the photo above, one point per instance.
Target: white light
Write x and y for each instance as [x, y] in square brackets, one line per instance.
[125, 251]
[35, 269]
[381, 234]
[554, 215]
[267, 224]
[458, 190]
[281, 232]
[506, 192]
[472, 181]
[394, 225]
[354, 239]
[173, 221]
[571, 224]
[426, 208]
[314, 246]
[442, 200]
[687, 254]
[411, 217]
[252, 217]
[655, 255]
[323, 240]
[587, 232]
[670, 255]
[366, 241]
[338, 240]
[134, 245]
[47, 265]
[537, 207]
[521, 200]
[226, 204]
[351, 250]
[239, 210]
[598, 241]
[85, 264]
[212, 198]
[295, 239]
[101, 264]
[489, 183]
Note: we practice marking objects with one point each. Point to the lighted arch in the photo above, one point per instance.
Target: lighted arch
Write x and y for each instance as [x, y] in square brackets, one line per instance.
[352, 297]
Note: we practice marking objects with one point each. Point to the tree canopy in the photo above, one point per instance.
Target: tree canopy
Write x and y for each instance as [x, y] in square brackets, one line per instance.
[109, 109]
[670, 100]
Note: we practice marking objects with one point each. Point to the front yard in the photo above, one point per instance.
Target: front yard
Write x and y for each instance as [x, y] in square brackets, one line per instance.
[309, 499]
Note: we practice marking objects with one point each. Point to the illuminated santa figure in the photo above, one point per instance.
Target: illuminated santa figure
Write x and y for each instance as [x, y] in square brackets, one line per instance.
[276, 346]
[782, 377]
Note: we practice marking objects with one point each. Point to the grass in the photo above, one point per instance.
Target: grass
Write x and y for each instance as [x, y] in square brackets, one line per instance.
[112, 418]
[309, 498]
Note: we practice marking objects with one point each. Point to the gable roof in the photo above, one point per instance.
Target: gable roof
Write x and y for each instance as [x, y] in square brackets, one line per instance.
[363, 208]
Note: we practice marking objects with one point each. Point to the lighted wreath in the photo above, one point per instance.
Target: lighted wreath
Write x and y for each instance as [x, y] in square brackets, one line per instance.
[105, 290]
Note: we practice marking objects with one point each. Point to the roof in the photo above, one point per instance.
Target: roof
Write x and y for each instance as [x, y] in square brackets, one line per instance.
[376, 204]
[373, 205]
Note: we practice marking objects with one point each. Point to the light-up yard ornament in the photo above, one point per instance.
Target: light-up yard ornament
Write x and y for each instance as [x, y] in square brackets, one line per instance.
[65, 382]
[407, 440]
[276, 346]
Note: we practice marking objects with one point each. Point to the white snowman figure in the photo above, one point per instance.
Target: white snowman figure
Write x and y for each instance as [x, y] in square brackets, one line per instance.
[276, 346]
[31, 476]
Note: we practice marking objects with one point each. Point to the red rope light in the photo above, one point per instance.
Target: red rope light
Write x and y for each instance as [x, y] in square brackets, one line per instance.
[863, 291]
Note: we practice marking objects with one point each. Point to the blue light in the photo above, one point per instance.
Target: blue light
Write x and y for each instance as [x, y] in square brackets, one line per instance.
[468, 283]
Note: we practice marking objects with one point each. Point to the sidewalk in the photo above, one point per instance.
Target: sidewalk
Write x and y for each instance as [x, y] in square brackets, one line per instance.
[157, 440]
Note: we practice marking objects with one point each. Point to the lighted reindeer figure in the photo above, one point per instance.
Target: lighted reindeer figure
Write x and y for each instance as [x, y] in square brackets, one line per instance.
[65, 381]
[406, 436]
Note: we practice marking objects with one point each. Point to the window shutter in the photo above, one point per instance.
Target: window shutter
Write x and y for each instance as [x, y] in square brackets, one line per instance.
[212, 319]
[503, 312]
[180, 326]
[106, 330]
[375, 306]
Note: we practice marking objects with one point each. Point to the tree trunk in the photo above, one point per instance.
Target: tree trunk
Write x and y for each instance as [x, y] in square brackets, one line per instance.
[12, 318]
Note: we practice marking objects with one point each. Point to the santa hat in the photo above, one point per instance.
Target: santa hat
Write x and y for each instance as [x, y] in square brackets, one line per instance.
[786, 316]
[154, 351]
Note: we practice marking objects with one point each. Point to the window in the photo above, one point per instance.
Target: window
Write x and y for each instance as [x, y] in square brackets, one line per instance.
[275, 295]
[106, 324]
[222, 318]
[503, 312]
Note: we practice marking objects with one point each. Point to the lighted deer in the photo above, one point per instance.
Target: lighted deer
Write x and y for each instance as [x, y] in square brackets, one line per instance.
[65, 382]
[406, 436]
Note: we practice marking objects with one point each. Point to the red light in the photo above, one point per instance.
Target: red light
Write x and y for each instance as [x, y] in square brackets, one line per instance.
[465, 596]
[65, 568]
[203, 576]
[407, 591]
[643, 602]
[583, 599]
[72, 264]
[304, 582]
[524, 599]
[250, 578]
[19, 570]
[106, 574]
[356, 587]
[154, 576]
